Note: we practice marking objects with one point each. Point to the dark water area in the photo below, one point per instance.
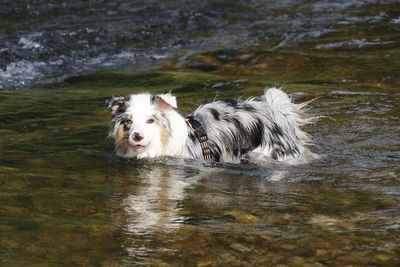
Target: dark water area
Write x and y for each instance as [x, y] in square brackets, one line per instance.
[44, 41]
[67, 200]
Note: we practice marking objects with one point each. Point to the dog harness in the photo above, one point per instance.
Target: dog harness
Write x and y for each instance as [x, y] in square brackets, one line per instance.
[201, 135]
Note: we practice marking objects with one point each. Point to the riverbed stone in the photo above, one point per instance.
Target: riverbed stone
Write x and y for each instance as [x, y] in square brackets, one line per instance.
[297, 261]
[382, 257]
[355, 257]
[323, 221]
[242, 217]
[321, 253]
[204, 262]
[240, 247]
[109, 263]
[227, 257]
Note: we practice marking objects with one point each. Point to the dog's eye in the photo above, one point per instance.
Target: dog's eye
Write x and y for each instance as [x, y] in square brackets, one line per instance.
[126, 122]
[150, 121]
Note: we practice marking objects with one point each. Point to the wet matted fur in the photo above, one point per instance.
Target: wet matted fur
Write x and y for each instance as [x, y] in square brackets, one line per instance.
[147, 126]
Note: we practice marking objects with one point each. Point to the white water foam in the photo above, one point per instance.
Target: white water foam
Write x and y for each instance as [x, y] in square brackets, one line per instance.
[359, 43]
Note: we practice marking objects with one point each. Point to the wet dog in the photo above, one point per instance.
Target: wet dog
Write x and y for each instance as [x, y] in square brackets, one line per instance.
[148, 126]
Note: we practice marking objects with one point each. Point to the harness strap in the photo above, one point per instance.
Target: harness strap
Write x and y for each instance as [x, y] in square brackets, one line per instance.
[201, 135]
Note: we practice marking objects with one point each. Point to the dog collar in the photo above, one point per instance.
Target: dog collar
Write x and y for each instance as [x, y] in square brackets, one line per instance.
[201, 135]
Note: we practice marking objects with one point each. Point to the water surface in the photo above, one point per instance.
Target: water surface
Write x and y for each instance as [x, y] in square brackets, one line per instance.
[66, 200]
[42, 41]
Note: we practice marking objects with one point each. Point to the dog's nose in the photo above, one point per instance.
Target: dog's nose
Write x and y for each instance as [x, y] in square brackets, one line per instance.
[137, 136]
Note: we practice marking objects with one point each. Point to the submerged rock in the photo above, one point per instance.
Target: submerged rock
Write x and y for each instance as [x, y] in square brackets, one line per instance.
[242, 217]
[199, 65]
[240, 247]
[323, 221]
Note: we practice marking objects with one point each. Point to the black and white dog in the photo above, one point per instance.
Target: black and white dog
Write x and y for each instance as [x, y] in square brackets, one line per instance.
[147, 126]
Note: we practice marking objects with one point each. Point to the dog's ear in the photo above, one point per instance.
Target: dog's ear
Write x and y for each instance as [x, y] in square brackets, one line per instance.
[116, 104]
[169, 99]
[165, 101]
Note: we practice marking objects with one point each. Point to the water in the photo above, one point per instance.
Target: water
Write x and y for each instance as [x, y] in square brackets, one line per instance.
[66, 200]
[44, 41]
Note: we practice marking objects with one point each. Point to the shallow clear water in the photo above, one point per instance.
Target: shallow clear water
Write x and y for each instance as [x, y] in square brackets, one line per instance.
[65, 199]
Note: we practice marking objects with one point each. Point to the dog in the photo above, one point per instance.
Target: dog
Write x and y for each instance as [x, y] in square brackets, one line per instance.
[149, 126]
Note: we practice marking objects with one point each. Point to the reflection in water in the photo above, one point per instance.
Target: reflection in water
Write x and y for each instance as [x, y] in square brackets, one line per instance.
[157, 202]
[154, 205]
[149, 202]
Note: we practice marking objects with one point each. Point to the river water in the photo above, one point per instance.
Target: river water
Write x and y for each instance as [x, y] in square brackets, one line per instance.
[66, 200]
[43, 41]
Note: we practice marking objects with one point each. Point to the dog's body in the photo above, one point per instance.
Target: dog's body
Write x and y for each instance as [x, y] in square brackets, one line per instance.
[146, 126]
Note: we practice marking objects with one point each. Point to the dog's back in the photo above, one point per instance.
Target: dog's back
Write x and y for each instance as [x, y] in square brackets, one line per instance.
[270, 127]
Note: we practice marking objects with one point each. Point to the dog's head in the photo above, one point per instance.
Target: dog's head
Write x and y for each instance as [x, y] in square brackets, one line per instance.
[140, 123]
